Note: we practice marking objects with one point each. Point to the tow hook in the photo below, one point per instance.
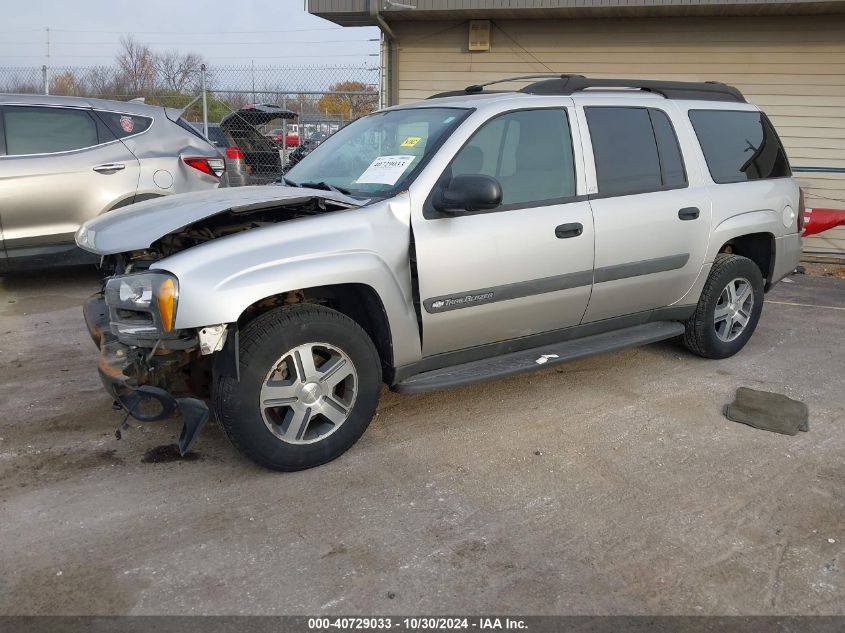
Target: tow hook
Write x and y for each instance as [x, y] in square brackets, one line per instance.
[152, 404]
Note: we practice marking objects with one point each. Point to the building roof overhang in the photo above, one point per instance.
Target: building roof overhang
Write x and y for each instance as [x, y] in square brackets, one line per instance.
[363, 13]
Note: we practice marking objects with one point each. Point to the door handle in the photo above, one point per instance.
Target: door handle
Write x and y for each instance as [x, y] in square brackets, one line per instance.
[689, 213]
[105, 167]
[573, 229]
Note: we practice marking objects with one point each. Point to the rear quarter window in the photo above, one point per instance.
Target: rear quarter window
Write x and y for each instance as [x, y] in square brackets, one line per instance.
[671, 160]
[739, 146]
[123, 125]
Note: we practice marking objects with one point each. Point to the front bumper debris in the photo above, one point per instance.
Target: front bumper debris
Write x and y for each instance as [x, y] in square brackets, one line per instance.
[129, 376]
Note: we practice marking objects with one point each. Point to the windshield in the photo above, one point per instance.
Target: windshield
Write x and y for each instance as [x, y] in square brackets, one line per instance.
[377, 155]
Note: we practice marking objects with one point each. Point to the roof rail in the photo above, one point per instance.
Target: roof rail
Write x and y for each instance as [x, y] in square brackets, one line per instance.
[564, 85]
[479, 88]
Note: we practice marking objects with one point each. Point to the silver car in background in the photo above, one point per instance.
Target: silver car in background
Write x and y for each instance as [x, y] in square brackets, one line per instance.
[65, 160]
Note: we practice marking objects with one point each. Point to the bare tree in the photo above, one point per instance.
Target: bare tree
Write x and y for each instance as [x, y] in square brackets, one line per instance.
[137, 65]
[101, 81]
[180, 72]
[23, 87]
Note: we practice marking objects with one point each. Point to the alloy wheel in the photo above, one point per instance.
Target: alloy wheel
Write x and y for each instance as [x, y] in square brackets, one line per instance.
[309, 393]
[733, 309]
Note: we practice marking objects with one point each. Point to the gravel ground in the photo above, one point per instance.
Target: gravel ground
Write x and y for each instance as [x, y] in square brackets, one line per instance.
[611, 485]
[825, 268]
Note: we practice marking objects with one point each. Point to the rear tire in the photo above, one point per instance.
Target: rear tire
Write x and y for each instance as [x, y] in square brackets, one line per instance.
[728, 309]
[309, 386]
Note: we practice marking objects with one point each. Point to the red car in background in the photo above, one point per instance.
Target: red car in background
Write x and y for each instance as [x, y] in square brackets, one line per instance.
[291, 139]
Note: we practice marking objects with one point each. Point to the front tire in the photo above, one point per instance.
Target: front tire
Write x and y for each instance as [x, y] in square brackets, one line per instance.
[728, 309]
[309, 386]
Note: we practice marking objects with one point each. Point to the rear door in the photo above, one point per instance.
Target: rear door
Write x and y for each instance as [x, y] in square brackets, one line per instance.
[62, 167]
[651, 211]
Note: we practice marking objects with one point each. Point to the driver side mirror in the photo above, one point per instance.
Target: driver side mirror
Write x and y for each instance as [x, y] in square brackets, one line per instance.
[469, 192]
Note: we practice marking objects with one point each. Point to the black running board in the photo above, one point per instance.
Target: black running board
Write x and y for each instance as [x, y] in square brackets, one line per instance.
[535, 358]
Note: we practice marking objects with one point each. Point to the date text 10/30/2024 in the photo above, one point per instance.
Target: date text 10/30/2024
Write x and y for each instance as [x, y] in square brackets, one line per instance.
[416, 623]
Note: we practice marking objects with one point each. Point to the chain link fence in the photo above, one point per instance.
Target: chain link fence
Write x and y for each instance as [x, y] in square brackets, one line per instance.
[220, 101]
[315, 104]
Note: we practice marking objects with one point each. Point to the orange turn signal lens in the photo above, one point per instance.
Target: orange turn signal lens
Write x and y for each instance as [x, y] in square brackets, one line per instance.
[166, 297]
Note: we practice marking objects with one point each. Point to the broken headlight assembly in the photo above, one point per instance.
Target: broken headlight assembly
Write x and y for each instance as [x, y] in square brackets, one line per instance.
[142, 305]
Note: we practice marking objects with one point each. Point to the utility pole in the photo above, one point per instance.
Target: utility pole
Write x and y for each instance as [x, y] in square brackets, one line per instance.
[204, 102]
[252, 61]
[46, 70]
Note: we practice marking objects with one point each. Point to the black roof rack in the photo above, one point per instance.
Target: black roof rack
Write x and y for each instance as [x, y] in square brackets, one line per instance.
[565, 85]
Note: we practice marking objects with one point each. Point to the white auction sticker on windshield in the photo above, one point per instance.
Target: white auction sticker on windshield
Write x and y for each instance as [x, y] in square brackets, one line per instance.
[385, 170]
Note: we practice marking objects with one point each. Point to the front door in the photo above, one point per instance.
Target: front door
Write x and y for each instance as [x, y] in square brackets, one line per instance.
[523, 268]
[652, 221]
[61, 168]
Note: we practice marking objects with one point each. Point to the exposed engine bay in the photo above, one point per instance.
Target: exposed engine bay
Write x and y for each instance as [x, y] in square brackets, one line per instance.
[229, 222]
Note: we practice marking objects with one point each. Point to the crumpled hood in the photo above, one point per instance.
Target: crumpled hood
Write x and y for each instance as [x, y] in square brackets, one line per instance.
[137, 226]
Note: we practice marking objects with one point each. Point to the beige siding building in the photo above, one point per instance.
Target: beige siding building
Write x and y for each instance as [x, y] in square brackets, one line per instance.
[787, 57]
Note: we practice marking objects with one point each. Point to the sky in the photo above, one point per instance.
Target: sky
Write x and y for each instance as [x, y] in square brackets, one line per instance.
[233, 32]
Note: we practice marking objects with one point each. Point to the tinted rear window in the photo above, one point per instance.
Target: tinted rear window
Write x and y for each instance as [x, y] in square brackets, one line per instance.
[42, 130]
[624, 149]
[739, 146]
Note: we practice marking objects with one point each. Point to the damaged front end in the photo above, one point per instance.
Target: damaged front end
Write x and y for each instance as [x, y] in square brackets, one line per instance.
[153, 369]
[150, 383]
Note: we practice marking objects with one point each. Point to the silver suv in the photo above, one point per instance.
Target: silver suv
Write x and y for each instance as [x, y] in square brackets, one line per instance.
[65, 160]
[474, 235]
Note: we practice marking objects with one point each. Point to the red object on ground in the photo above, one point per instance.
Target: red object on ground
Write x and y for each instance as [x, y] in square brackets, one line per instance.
[818, 220]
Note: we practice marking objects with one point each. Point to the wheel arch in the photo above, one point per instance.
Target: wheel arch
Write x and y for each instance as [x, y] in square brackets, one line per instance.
[752, 235]
[759, 248]
[224, 284]
[358, 301]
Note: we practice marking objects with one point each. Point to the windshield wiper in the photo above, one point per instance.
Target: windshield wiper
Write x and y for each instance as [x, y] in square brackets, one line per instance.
[322, 185]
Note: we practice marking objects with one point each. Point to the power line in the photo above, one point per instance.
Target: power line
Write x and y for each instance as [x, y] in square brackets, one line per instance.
[314, 56]
[187, 44]
[525, 50]
[127, 32]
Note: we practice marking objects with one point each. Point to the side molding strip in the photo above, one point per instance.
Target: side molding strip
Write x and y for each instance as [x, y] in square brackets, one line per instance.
[644, 267]
[518, 290]
[444, 303]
